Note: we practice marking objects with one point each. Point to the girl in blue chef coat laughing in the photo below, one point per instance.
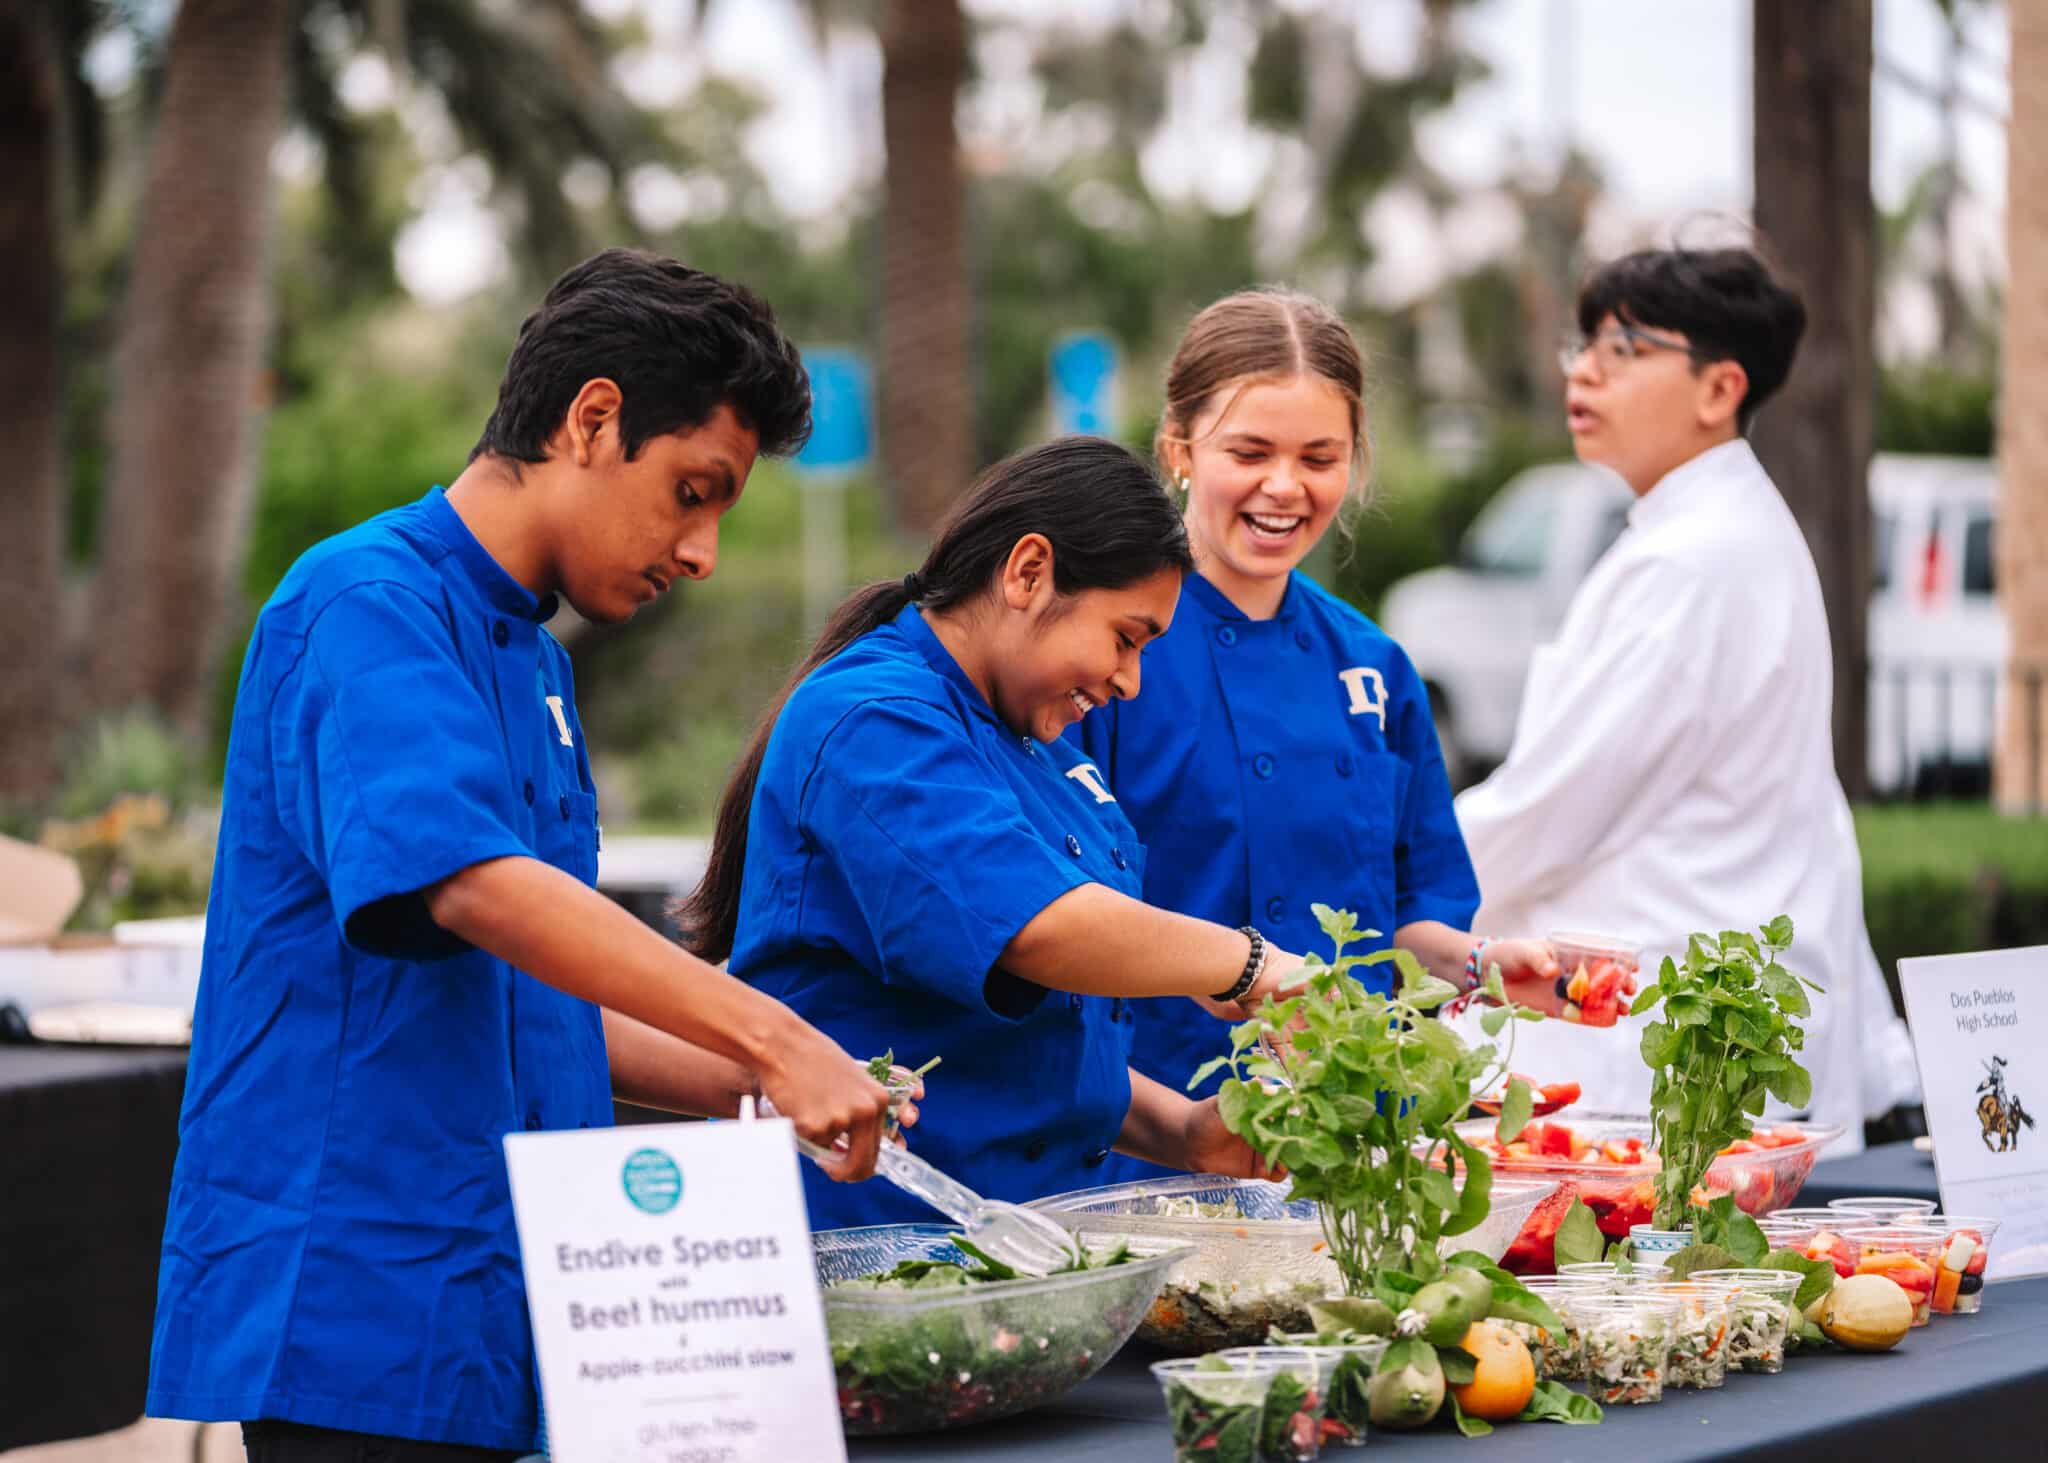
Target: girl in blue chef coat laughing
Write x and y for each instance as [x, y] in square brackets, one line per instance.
[912, 858]
[1284, 752]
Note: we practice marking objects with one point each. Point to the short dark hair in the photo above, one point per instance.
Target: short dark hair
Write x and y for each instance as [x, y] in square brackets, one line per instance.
[679, 343]
[1724, 301]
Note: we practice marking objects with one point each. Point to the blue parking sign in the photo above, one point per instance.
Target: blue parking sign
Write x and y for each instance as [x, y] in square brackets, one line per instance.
[1083, 372]
[841, 410]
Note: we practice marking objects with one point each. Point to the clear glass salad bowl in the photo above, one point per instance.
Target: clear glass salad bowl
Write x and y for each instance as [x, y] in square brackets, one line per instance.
[921, 1359]
[1259, 1257]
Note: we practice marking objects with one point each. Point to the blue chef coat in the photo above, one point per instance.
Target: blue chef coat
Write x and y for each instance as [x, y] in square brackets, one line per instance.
[901, 836]
[340, 1249]
[1270, 765]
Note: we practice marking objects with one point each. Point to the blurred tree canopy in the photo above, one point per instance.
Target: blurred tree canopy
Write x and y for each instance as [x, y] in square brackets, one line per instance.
[357, 395]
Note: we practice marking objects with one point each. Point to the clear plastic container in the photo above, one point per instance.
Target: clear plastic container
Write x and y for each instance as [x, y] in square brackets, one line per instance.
[1699, 1332]
[1623, 1194]
[1625, 1341]
[1760, 1325]
[1960, 1262]
[1883, 1208]
[1596, 970]
[1291, 1426]
[1347, 1372]
[1253, 1401]
[1607, 1274]
[1905, 1254]
[917, 1360]
[1556, 1352]
[1259, 1256]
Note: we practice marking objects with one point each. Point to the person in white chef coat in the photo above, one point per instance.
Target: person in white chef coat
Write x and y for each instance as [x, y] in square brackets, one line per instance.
[1673, 768]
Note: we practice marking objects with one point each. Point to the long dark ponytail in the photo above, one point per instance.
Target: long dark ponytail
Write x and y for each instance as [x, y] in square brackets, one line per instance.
[1110, 524]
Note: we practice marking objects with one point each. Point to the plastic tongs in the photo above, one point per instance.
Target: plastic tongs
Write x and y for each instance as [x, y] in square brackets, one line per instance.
[1021, 1238]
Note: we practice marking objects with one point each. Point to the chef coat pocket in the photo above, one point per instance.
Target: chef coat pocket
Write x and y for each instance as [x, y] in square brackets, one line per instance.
[1375, 828]
[566, 834]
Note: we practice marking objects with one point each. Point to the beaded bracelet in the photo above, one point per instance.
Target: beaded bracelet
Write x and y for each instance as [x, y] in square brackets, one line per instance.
[1473, 978]
[1253, 964]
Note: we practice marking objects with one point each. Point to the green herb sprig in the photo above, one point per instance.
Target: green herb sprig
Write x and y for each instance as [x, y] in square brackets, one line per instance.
[1356, 1094]
[1728, 1036]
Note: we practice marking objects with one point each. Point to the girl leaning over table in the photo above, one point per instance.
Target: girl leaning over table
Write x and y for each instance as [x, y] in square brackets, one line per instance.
[912, 859]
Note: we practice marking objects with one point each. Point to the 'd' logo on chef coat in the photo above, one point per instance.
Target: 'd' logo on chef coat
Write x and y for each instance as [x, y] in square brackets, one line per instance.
[561, 721]
[1366, 702]
[1090, 777]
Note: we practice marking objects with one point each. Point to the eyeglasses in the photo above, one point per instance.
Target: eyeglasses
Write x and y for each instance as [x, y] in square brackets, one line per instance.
[1616, 348]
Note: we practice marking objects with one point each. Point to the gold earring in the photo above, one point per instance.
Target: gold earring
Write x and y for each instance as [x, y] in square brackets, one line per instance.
[1181, 482]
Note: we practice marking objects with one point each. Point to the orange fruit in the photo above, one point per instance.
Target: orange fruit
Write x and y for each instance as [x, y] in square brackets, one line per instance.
[1506, 1376]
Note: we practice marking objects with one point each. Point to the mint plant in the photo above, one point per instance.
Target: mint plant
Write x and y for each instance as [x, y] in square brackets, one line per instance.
[1727, 1038]
[1357, 1095]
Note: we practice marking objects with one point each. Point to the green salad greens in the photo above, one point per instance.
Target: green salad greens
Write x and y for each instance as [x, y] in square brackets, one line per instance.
[920, 1369]
[1222, 1415]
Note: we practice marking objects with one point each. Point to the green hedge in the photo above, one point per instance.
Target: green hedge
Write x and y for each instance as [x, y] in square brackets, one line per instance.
[1942, 878]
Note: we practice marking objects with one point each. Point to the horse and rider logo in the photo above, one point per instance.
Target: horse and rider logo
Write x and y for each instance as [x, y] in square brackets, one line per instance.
[2000, 1111]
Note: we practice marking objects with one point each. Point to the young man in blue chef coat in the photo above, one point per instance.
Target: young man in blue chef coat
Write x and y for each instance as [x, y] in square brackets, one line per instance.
[405, 955]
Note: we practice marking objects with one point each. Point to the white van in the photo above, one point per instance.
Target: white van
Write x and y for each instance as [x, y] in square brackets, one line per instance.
[1936, 637]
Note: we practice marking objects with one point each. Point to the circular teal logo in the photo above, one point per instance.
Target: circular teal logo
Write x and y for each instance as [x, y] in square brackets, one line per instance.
[652, 1180]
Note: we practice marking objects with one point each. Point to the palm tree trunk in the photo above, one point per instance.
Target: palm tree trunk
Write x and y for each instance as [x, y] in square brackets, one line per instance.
[189, 361]
[1812, 155]
[2022, 761]
[927, 398]
[33, 703]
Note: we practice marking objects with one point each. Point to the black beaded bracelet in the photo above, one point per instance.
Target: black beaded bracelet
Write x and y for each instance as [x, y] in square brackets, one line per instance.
[1253, 964]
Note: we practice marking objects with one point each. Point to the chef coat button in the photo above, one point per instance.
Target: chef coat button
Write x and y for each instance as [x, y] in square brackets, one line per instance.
[565, 807]
[1036, 1150]
[1095, 1158]
[1301, 639]
[1073, 845]
[499, 634]
[1226, 636]
[1276, 908]
[529, 793]
[1262, 765]
[533, 1121]
[1344, 764]
[1116, 856]
[1073, 1001]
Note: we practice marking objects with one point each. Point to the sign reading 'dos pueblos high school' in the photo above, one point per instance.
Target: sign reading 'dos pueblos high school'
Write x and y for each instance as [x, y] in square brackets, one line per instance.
[1980, 1029]
[675, 1309]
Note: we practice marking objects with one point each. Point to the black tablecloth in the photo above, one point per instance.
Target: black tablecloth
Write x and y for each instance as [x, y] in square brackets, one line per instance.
[1968, 1387]
[87, 1138]
[1894, 1169]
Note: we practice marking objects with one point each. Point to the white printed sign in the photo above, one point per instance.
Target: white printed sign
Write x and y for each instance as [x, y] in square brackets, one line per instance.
[1980, 1029]
[676, 1316]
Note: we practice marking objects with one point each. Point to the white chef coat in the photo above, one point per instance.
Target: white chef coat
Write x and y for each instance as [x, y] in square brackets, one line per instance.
[1673, 771]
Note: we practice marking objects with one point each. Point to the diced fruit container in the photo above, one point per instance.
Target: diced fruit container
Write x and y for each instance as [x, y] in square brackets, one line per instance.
[1960, 1262]
[1597, 971]
[1903, 1253]
[1259, 1256]
[1605, 1159]
[1881, 1209]
[918, 1360]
